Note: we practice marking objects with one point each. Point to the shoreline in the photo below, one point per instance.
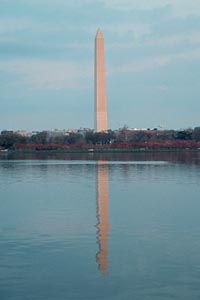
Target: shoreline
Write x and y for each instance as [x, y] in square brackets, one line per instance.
[103, 150]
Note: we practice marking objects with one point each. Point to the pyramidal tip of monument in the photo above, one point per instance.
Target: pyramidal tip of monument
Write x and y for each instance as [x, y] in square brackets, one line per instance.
[99, 33]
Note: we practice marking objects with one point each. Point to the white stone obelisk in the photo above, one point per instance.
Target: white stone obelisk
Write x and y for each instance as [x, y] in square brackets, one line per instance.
[100, 85]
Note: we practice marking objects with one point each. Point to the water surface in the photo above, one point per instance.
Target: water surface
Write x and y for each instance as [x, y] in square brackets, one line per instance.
[100, 226]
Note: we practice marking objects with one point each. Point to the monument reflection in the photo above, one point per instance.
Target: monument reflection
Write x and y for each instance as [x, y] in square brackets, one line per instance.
[102, 215]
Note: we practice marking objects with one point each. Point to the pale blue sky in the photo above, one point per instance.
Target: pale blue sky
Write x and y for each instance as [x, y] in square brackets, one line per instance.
[152, 60]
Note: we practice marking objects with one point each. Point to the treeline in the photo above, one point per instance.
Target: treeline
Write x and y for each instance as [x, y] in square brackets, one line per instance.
[123, 138]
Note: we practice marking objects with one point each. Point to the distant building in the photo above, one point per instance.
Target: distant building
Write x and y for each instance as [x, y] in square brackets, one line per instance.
[22, 133]
[7, 131]
[83, 131]
[34, 132]
[55, 133]
[71, 130]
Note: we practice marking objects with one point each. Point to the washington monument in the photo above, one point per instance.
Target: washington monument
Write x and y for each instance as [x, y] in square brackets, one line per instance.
[100, 85]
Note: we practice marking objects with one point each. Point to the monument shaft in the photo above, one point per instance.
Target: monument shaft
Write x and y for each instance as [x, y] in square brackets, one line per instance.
[100, 85]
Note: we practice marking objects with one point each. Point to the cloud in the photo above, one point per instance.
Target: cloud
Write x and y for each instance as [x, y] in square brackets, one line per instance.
[54, 74]
[137, 29]
[77, 45]
[189, 38]
[47, 74]
[178, 7]
[154, 62]
[40, 74]
[17, 25]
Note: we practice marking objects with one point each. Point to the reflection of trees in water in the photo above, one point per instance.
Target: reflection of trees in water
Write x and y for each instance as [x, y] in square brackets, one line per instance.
[102, 215]
[184, 156]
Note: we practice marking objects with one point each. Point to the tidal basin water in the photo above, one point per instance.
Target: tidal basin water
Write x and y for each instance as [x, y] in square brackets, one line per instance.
[100, 226]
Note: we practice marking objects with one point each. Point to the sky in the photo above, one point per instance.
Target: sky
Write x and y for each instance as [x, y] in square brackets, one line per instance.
[152, 54]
